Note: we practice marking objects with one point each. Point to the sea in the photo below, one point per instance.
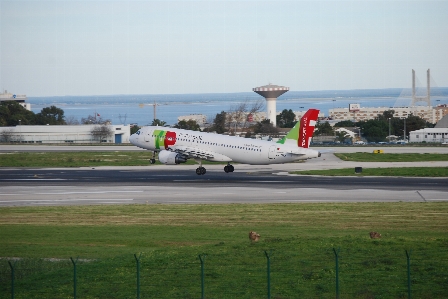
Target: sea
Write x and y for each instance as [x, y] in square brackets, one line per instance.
[139, 109]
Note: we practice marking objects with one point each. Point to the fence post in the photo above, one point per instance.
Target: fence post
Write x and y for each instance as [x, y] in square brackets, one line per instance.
[74, 275]
[268, 257]
[138, 273]
[202, 259]
[12, 277]
[408, 258]
[336, 254]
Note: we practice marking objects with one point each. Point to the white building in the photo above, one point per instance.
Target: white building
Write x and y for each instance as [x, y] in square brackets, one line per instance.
[63, 134]
[437, 135]
[428, 113]
[19, 98]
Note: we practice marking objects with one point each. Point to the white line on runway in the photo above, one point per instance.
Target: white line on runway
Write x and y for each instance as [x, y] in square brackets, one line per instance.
[34, 180]
[67, 200]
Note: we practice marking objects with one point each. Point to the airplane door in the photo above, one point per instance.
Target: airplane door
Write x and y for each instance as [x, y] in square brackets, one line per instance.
[272, 151]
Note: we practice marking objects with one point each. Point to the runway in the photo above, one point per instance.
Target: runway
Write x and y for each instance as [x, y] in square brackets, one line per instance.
[178, 184]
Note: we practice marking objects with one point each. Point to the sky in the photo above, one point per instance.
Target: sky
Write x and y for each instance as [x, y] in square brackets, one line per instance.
[68, 47]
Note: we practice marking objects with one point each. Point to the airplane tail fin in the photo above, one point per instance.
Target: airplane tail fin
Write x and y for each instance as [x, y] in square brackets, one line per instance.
[302, 132]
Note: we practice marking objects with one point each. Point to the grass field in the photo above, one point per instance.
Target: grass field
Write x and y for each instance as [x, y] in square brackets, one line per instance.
[396, 171]
[370, 157]
[298, 237]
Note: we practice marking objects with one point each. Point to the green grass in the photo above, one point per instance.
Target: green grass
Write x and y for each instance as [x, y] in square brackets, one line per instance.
[79, 159]
[138, 158]
[74, 159]
[300, 237]
[370, 157]
[403, 171]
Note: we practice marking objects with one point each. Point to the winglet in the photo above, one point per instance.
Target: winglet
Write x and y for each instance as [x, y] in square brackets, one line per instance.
[302, 132]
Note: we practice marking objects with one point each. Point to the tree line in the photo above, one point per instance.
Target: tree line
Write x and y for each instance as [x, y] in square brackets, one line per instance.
[376, 130]
[236, 119]
[13, 114]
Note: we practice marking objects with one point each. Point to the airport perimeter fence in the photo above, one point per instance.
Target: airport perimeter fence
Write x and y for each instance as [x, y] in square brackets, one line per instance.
[271, 274]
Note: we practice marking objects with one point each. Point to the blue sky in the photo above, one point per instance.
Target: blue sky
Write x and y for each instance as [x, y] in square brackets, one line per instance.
[50, 48]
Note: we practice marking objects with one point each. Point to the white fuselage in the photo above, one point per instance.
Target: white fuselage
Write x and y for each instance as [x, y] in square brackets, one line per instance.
[219, 148]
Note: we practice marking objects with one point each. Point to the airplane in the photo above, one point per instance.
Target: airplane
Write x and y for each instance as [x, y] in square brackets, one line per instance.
[176, 146]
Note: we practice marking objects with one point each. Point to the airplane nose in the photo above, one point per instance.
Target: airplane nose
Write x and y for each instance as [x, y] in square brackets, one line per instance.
[133, 138]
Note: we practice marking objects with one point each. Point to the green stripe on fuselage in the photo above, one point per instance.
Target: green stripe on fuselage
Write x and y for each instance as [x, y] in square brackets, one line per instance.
[159, 138]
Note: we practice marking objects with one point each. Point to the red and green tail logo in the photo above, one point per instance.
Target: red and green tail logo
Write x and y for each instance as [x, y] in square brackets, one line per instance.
[303, 130]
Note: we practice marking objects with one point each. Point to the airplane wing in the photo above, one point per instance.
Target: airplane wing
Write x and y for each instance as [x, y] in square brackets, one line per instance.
[194, 152]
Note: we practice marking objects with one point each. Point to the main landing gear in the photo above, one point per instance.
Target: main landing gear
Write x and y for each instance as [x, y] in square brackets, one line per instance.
[200, 170]
[229, 168]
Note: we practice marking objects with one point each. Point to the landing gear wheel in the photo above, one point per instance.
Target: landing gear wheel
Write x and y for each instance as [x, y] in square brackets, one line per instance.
[229, 168]
[201, 170]
[152, 161]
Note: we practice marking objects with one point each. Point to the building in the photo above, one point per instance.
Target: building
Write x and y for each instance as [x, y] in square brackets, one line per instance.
[428, 113]
[19, 98]
[64, 134]
[200, 119]
[438, 135]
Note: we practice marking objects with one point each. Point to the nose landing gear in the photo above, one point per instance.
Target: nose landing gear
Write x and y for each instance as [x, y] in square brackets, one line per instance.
[153, 159]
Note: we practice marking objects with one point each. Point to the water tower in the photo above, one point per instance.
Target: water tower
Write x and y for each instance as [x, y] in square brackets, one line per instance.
[271, 92]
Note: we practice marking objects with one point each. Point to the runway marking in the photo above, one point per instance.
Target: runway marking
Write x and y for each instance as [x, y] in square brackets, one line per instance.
[77, 192]
[271, 181]
[90, 192]
[35, 179]
[39, 201]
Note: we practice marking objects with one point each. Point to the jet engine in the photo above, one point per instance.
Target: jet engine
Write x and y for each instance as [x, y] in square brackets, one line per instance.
[171, 158]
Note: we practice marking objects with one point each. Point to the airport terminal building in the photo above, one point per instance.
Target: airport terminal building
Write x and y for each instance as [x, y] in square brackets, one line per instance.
[66, 134]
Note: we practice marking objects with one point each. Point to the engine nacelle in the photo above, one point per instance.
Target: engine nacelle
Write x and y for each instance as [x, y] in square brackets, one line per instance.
[171, 158]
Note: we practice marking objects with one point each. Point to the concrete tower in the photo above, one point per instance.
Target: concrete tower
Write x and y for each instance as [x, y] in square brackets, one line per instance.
[416, 98]
[271, 93]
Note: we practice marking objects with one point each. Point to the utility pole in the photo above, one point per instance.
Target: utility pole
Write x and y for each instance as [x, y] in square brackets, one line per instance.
[389, 131]
[404, 135]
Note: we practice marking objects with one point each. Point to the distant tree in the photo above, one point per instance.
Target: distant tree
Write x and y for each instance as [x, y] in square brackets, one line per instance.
[158, 122]
[237, 116]
[188, 125]
[414, 122]
[219, 123]
[265, 127]
[323, 128]
[345, 123]
[388, 114]
[71, 121]
[13, 114]
[342, 136]
[134, 129]
[101, 132]
[95, 120]
[50, 116]
[286, 119]
[7, 135]
[374, 130]
[253, 109]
